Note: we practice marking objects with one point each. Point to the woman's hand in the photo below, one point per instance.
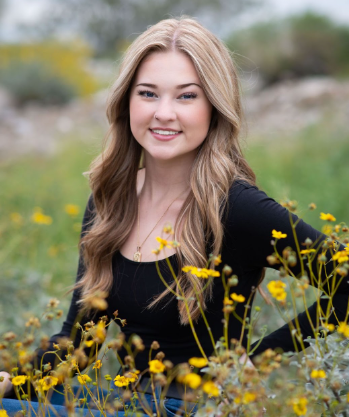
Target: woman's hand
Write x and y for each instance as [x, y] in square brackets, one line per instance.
[6, 385]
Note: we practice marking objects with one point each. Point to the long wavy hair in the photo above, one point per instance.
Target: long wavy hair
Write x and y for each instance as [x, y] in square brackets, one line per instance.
[219, 161]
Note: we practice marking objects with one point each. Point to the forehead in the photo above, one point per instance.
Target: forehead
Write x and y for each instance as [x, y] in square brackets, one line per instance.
[173, 65]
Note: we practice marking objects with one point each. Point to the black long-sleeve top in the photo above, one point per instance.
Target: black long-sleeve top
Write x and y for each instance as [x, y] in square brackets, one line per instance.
[251, 217]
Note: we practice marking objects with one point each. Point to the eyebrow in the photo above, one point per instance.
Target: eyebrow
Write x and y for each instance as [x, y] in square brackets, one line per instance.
[179, 87]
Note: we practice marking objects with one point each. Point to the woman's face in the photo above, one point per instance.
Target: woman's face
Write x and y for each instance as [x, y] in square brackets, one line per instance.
[169, 111]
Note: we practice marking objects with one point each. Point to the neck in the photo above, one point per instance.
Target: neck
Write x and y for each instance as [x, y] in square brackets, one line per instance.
[165, 180]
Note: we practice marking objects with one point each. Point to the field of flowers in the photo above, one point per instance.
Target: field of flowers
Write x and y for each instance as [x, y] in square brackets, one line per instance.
[43, 200]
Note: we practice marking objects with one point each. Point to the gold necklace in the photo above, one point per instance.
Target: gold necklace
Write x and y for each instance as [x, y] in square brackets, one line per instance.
[137, 255]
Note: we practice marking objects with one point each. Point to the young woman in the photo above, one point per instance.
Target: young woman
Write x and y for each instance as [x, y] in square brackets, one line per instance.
[173, 157]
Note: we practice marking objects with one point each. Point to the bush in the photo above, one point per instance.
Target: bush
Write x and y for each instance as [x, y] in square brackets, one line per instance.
[298, 46]
[50, 73]
[32, 82]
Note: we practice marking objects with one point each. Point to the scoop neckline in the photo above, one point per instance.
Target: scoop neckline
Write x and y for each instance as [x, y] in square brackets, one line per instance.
[147, 262]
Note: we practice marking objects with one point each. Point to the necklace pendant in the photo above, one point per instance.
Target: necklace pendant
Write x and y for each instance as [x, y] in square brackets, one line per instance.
[137, 256]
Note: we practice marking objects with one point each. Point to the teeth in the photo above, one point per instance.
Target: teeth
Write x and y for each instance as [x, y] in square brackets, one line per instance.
[165, 132]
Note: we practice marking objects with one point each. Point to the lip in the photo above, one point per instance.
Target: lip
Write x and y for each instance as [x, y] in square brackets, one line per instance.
[163, 137]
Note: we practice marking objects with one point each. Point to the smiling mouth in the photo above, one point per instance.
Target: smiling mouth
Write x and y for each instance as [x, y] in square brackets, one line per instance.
[166, 132]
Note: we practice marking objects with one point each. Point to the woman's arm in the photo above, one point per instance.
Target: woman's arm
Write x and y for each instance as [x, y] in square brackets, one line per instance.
[252, 217]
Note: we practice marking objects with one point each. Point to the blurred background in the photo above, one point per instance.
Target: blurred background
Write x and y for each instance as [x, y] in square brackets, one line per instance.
[57, 61]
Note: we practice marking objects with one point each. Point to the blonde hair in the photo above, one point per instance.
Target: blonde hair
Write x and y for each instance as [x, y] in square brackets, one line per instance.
[218, 163]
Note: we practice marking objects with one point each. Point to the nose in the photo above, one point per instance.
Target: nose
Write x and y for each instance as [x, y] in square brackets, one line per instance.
[165, 110]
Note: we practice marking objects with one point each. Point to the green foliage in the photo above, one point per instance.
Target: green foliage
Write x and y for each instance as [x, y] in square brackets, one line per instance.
[32, 82]
[47, 72]
[298, 46]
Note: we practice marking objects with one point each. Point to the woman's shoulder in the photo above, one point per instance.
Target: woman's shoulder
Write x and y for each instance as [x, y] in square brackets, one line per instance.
[241, 186]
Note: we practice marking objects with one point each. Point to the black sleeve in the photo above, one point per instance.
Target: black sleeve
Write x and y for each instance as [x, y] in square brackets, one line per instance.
[68, 329]
[252, 217]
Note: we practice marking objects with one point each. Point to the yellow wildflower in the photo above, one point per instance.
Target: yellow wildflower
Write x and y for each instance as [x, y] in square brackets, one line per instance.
[132, 376]
[83, 379]
[277, 289]
[226, 301]
[155, 366]
[327, 229]
[192, 380]
[307, 251]
[163, 243]
[201, 272]
[320, 373]
[98, 364]
[89, 343]
[72, 209]
[101, 333]
[3, 413]
[327, 216]
[278, 235]
[341, 256]
[121, 381]
[211, 389]
[198, 362]
[248, 397]
[48, 382]
[343, 328]
[19, 380]
[16, 218]
[40, 218]
[168, 229]
[329, 327]
[53, 251]
[300, 406]
[312, 206]
[238, 298]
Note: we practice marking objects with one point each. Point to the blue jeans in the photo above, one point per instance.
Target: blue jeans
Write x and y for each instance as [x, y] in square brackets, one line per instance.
[168, 406]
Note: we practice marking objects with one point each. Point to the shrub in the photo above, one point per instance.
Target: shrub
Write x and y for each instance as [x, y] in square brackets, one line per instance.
[298, 46]
[50, 73]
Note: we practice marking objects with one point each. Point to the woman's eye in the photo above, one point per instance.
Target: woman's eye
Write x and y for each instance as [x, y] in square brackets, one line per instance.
[187, 96]
[146, 93]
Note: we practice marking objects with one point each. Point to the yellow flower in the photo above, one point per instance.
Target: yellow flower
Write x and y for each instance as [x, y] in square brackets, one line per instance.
[248, 397]
[72, 209]
[320, 373]
[307, 251]
[327, 216]
[98, 364]
[89, 343]
[327, 229]
[226, 301]
[16, 218]
[201, 272]
[19, 380]
[132, 376]
[341, 256]
[238, 298]
[100, 332]
[343, 328]
[53, 251]
[278, 235]
[211, 389]
[3, 413]
[155, 366]
[40, 218]
[277, 289]
[198, 362]
[83, 379]
[300, 406]
[329, 327]
[121, 381]
[192, 380]
[48, 382]
[163, 243]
